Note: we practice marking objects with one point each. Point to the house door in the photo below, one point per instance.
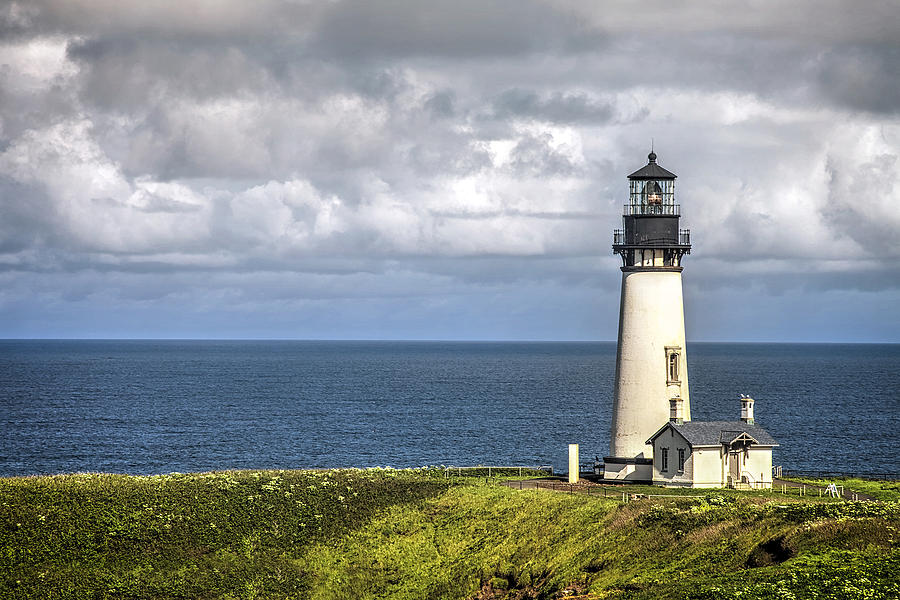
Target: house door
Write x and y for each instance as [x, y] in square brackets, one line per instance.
[734, 467]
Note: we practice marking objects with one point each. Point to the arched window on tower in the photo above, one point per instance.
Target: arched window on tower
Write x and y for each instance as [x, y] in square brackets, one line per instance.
[673, 356]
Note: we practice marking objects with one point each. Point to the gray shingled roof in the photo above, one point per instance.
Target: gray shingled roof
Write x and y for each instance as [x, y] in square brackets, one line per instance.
[652, 171]
[713, 433]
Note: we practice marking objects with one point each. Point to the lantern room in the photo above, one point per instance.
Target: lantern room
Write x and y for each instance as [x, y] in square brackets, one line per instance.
[651, 190]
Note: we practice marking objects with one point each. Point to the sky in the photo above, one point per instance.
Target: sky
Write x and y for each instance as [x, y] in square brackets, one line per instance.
[445, 169]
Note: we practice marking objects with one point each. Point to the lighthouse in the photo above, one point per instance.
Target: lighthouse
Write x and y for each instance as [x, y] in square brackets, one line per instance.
[651, 364]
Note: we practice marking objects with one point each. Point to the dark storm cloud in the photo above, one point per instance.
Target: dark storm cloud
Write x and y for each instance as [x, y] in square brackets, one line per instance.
[199, 19]
[130, 74]
[26, 221]
[557, 107]
[451, 155]
[452, 29]
[708, 274]
[17, 19]
[189, 151]
[862, 77]
[534, 155]
[441, 104]
[20, 112]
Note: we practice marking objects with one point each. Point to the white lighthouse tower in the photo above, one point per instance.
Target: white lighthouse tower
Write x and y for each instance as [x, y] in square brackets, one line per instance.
[651, 365]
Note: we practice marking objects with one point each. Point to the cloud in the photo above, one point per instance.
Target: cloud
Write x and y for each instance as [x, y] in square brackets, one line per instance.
[557, 108]
[405, 150]
[863, 168]
[464, 30]
[861, 77]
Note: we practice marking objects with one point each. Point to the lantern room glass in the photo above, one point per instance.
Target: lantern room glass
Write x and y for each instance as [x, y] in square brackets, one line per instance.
[652, 197]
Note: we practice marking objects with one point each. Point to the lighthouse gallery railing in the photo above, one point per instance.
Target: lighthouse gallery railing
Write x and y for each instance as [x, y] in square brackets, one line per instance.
[684, 238]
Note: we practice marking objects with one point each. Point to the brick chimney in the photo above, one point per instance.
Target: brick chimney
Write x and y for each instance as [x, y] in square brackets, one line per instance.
[747, 409]
[676, 410]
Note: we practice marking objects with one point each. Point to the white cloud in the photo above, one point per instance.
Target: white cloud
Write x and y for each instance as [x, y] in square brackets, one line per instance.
[93, 206]
[178, 139]
[32, 66]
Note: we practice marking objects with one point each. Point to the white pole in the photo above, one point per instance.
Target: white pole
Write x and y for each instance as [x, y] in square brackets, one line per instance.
[573, 463]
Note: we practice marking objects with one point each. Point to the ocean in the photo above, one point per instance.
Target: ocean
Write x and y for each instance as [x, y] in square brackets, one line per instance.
[145, 407]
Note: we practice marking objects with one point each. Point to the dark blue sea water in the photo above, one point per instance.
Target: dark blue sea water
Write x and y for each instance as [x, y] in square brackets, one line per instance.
[163, 406]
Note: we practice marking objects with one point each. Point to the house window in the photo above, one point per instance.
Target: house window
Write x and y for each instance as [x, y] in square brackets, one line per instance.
[673, 356]
[681, 459]
[664, 459]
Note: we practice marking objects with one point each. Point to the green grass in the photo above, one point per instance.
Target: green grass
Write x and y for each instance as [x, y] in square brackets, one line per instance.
[211, 535]
[541, 543]
[415, 534]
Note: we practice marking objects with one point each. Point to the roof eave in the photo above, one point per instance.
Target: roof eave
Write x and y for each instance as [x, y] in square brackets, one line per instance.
[652, 171]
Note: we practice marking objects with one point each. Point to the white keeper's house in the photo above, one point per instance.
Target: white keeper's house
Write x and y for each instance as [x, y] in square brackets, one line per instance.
[735, 454]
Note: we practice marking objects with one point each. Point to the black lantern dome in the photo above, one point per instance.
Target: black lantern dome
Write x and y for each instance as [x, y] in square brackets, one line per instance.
[651, 237]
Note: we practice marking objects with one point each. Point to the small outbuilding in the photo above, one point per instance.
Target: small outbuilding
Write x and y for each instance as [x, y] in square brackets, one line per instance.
[711, 454]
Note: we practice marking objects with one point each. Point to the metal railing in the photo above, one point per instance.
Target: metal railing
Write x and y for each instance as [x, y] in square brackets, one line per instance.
[673, 210]
[614, 492]
[684, 239]
[496, 470]
[621, 490]
[590, 468]
[836, 474]
[787, 489]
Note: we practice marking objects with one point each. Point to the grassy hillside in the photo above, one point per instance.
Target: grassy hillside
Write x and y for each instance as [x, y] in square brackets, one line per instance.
[211, 535]
[413, 534]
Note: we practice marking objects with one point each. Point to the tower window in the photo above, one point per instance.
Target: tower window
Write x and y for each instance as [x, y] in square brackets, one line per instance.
[664, 460]
[673, 356]
[681, 459]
